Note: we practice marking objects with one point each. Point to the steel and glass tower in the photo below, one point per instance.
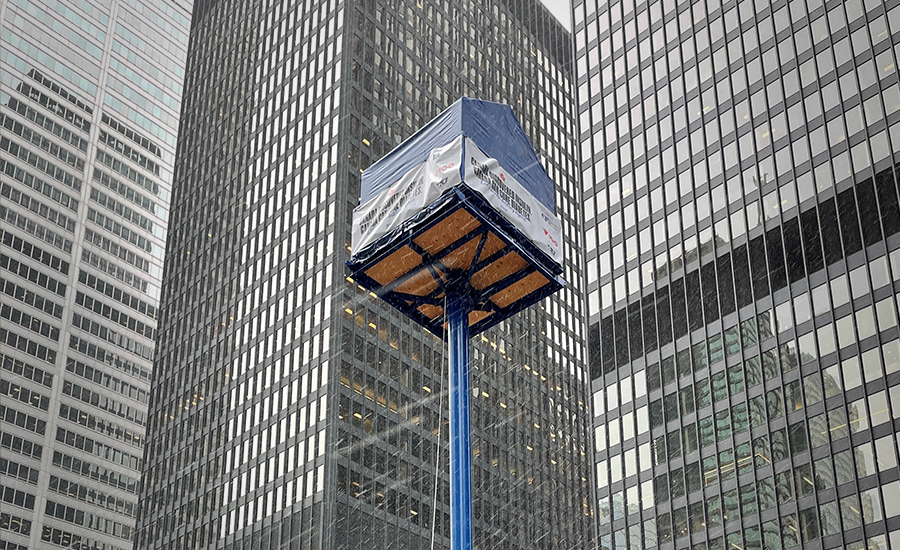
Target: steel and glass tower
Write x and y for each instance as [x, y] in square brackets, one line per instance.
[90, 96]
[290, 407]
[740, 174]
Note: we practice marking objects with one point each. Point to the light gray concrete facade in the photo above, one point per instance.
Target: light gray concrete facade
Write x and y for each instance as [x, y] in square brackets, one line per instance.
[90, 98]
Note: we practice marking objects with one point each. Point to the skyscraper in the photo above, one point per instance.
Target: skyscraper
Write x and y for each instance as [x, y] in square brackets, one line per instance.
[290, 407]
[740, 174]
[90, 99]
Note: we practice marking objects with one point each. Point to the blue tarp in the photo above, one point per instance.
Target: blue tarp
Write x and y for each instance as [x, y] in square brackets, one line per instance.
[492, 126]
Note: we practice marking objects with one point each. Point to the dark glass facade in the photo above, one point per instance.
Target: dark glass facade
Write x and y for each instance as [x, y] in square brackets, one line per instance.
[90, 94]
[740, 171]
[293, 409]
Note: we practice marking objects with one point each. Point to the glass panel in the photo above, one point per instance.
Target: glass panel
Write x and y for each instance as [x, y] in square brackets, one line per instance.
[761, 452]
[753, 372]
[784, 487]
[736, 379]
[843, 467]
[878, 408]
[859, 282]
[803, 480]
[774, 404]
[779, 445]
[683, 363]
[723, 425]
[838, 425]
[812, 388]
[692, 477]
[766, 324]
[676, 481]
[856, 414]
[851, 374]
[714, 511]
[739, 418]
[703, 396]
[618, 505]
[689, 439]
[789, 357]
[824, 473]
[710, 471]
[799, 443]
[698, 353]
[840, 293]
[865, 323]
[749, 335]
[829, 518]
[891, 354]
[653, 377]
[686, 400]
[884, 311]
[809, 524]
[784, 319]
[770, 364]
[879, 271]
[730, 505]
[871, 506]
[790, 530]
[885, 453]
[850, 516]
[726, 464]
[732, 341]
[668, 371]
[671, 406]
[807, 346]
[748, 499]
[827, 343]
[716, 352]
[744, 459]
[831, 381]
[821, 302]
[891, 493]
[673, 443]
[792, 396]
[766, 488]
[802, 310]
[772, 535]
[707, 431]
[757, 411]
[818, 430]
[719, 387]
[846, 336]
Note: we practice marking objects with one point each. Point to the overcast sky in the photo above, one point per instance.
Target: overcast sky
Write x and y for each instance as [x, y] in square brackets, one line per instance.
[562, 11]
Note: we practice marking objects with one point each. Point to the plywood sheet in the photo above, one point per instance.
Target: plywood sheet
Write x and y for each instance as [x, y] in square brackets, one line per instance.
[397, 264]
[498, 270]
[431, 311]
[446, 232]
[478, 315]
[519, 289]
[493, 245]
[420, 284]
[462, 257]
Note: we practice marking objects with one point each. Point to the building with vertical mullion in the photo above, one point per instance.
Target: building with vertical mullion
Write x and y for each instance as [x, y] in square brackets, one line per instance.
[293, 409]
[740, 173]
[90, 95]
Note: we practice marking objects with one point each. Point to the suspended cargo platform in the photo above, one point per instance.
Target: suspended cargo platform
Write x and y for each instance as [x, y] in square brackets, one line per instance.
[463, 206]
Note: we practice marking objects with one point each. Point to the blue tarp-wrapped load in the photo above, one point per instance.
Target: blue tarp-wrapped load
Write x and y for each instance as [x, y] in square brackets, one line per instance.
[463, 199]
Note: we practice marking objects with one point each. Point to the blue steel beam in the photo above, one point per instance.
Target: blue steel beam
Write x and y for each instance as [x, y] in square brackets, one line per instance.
[460, 441]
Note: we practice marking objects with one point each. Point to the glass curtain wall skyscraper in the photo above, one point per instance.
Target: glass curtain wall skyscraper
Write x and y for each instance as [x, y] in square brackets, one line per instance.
[739, 162]
[291, 408]
[90, 96]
